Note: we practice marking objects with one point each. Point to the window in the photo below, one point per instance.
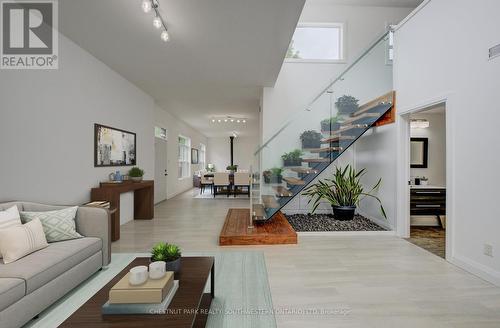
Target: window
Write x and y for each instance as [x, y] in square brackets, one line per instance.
[160, 133]
[202, 156]
[317, 43]
[184, 160]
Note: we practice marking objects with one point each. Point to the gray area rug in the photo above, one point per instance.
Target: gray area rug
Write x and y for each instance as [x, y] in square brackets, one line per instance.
[242, 293]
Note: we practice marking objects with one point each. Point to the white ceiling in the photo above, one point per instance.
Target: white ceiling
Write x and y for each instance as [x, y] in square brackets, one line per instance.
[375, 3]
[220, 54]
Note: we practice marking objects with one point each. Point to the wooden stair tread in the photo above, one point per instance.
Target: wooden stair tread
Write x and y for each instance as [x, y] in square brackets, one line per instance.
[334, 138]
[270, 202]
[258, 210]
[361, 116]
[348, 128]
[387, 98]
[316, 160]
[326, 149]
[304, 170]
[294, 181]
[282, 191]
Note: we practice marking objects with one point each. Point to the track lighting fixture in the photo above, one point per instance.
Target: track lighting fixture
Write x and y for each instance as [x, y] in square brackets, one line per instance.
[158, 21]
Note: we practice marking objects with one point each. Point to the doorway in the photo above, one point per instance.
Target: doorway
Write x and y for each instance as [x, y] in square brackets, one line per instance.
[424, 178]
[161, 171]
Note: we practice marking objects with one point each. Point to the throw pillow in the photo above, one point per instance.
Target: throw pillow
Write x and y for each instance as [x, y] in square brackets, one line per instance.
[9, 218]
[58, 225]
[19, 241]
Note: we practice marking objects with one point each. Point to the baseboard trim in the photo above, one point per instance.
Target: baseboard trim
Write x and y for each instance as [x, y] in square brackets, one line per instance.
[383, 223]
[476, 269]
[345, 233]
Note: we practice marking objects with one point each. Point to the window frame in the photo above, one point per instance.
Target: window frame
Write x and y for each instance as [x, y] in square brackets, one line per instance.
[342, 45]
[187, 146]
[202, 156]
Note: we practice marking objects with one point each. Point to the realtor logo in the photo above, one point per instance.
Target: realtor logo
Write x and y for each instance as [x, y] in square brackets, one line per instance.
[29, 35]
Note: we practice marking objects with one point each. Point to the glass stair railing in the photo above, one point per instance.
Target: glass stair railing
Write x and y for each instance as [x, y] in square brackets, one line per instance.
[316, 137]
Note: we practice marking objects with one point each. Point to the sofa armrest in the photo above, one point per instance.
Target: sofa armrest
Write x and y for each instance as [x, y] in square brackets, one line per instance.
[95, 222]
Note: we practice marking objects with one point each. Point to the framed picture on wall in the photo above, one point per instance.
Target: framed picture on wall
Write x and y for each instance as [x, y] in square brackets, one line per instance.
[419, 152]
[194, 156]
[114, 147]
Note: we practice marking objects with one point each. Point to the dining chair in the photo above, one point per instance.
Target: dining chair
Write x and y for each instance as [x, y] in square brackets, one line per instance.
[221, 180]
[206, 181]
[242, 180]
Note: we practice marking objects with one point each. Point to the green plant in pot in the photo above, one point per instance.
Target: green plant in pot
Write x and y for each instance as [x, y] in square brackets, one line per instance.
[311, 139]
[292, 158]
[232, 168]
[331, 124]
[343, 191]
[273, 175]
[169, 253]
[346, 104]
[135, 174]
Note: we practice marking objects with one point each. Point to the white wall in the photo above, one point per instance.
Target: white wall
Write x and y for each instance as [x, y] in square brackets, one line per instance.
[47, 127]
[219, 152]
[436, 134]
[442, 52]
[176, 127]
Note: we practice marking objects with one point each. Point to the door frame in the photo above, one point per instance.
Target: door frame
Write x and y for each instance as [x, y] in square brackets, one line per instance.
[403, 168]
[165, 141]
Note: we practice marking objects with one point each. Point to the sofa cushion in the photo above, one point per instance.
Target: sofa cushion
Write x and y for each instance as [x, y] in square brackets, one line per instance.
[58, 225]
[44, 265]
[11, 291]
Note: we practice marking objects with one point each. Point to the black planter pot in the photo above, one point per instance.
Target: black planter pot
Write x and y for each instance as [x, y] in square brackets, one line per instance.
[343, 213]
[326, 126]
[311, 144]
[174, 266]
[273, 178]
[293, 162]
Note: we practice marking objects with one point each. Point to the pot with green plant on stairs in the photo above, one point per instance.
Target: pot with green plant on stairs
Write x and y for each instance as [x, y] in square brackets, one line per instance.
[331, 124]
[311, 139]
[135, 174]
[343, 191]
[293, 158]
[273, 175]
[346, 105]
[169, 253]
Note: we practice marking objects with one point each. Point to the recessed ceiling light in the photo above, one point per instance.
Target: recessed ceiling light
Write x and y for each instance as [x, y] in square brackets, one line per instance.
[219, 121]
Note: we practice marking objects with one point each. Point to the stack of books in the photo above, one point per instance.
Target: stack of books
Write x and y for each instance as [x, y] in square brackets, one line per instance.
[99, 203]
[152, 297]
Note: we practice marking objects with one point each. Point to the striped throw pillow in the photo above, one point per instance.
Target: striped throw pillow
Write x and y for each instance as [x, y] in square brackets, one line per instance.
[19, 241]
[9, 218]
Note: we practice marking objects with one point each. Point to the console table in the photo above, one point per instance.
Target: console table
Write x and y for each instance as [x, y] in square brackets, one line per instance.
[143, 200]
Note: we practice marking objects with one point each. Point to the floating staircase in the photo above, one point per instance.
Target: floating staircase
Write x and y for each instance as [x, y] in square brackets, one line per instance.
[315, 160]
[336, 117]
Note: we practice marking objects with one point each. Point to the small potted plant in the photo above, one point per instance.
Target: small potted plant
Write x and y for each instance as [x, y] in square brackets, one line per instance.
[292, 158]
[169, 253]
[347, 105]
[310, 139]
[331, 124]
[232, 168]
[273, 175]
[135, 174]
[210, 168]
[344, 192]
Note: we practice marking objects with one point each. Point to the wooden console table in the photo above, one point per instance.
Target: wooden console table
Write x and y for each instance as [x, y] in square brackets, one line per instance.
[143, 200]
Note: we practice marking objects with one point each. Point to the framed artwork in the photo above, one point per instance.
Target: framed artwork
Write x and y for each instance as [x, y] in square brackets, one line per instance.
[194, 156]
[114, 147]
[419, 149]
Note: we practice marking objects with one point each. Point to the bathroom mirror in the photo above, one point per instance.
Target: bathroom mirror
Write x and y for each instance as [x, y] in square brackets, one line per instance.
[419, 148]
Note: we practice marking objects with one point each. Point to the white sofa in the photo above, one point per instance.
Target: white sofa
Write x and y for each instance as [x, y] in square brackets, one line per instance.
[34, 282]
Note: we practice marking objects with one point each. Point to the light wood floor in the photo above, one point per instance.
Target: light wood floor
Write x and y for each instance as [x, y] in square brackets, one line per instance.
[359, 281]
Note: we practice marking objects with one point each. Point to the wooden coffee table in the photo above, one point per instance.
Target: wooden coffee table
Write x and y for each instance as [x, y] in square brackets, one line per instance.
[189, 307]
